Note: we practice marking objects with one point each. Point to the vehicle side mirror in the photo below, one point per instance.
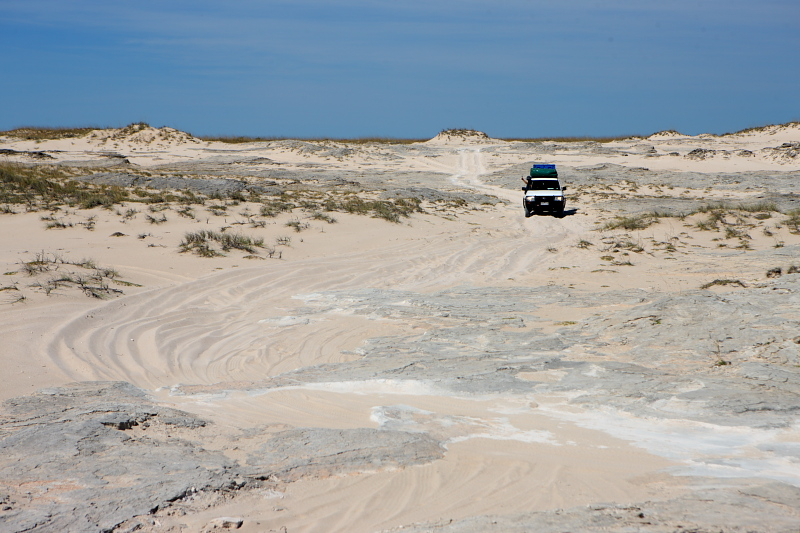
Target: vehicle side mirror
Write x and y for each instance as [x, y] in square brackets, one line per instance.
[564, 188]
[523, 188]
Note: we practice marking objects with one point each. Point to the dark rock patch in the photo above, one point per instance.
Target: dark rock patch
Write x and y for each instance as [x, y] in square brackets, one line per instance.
[31, 154]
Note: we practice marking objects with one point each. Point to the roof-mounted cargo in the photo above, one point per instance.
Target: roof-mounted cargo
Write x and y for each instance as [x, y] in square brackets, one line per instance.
[543, 171]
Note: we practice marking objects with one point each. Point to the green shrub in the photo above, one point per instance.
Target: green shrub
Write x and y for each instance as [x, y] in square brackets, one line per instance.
[200, 243]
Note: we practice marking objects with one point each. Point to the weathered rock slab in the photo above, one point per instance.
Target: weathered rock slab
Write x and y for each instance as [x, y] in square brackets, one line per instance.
[69, 463]
[318, 452]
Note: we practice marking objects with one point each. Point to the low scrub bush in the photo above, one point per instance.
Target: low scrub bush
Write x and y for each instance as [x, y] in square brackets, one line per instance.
[273, 208]
[297, 225]
[322, 216]
[723, 282]
[793, 221]
[203, 243]
[83, 274]
[390, 210]
[45, 185]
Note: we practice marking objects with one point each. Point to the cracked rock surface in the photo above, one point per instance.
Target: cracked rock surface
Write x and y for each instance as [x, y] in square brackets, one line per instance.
[94, 456]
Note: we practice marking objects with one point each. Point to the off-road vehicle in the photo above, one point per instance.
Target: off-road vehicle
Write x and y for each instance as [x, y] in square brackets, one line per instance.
[543, 192]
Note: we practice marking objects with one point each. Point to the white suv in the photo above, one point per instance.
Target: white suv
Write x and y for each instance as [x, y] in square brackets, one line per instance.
[544, 195]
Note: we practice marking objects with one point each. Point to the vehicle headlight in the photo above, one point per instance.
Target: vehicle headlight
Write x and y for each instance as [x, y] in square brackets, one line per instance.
[559, 198]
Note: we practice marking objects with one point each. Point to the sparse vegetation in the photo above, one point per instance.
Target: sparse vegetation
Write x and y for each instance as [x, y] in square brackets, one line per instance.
[793, 221]
[322, 216]
[39, 134]
[217, 210]
[666, 246]
[204, 243]
[758, 207]
[157, 205]
[775, 272]
[239, 139]
[156, 220]
[569, 139]
[47, 186]
[758, 129]
[297, 225]
[617, 243]
[85, 274]
[187, 212]
[723, 282]
[42, 186]
[273, 208]
[55, 223]
[718, 360]
[635, 222]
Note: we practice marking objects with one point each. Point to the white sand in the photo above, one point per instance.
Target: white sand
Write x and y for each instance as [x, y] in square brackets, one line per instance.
[227, 321]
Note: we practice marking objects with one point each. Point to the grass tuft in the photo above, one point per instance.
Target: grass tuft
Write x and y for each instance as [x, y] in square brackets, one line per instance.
[635, 222]
[91, 279]
[322, 216]
[202, 243]
[297, 225]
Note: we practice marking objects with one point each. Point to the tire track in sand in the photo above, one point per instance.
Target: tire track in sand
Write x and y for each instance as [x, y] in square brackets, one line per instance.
[228, 326]
[250, 324]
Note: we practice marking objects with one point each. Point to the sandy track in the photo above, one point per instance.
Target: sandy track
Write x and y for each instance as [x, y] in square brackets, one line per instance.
[242, 324]
[250, 324]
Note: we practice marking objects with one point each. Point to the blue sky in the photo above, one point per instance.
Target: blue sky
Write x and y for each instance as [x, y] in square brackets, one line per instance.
[309, 68]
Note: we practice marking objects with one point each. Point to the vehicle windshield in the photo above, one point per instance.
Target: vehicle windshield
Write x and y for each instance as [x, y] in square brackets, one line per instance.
[543, 185]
